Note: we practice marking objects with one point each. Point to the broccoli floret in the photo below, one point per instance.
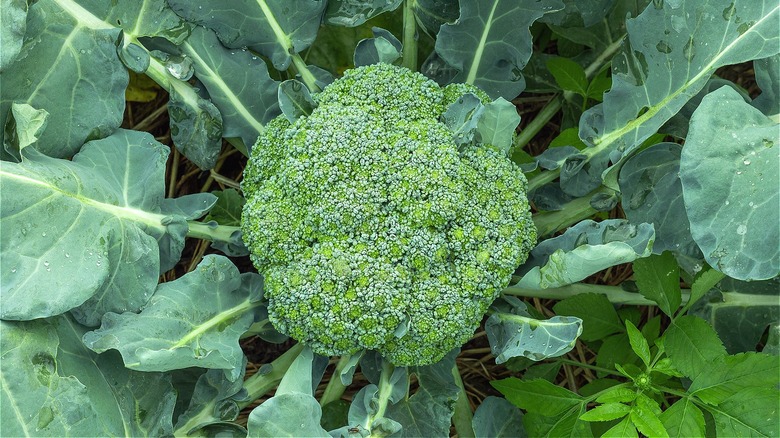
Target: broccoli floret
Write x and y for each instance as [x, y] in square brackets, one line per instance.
[373, 229]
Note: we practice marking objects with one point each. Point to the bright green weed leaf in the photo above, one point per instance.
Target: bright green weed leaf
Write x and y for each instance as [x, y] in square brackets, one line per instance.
[567, 424]
[750, 412]
[606, 412]
[692, 345]
[658, 279]
[569, 75]
[599, 318]
[538, 396]
[638, 343]
[703, 283]
[624, 429]
[645, 416]
[732, 374]
[683, 419]
[730, 171]
[620, 394]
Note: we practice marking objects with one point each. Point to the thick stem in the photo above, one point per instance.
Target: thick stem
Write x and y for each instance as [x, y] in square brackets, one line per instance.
[260, 384]
[336, 387]
[384, 391]
[409, 36]
[615, 294]
[574, 211]
[462, 415]
[212, 233]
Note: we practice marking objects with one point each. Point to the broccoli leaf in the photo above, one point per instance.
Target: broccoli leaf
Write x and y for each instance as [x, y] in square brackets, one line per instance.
[652, 193]
[238, 83]
[351, 13]
[585, 249]
[496, 417]
[195, 320]
[101, 215]
[13, 17]
[512, 332]
[383, 47]
[666, 60]
[273, 28]
[63, 85]
[502, 25]
[71, 391]
[730, 171]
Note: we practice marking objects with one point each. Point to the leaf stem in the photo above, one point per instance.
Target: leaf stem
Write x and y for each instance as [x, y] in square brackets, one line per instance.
[336, 387]
[409, 36]
[260, 384]
[462, 415]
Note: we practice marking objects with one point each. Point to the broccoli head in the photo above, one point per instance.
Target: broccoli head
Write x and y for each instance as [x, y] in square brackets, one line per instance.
[373, 229]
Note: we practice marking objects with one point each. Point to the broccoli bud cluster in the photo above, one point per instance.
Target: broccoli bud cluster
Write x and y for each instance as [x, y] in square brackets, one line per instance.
[373, 229]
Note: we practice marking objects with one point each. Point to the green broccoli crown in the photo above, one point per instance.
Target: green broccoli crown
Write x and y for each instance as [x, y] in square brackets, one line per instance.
[373, 229]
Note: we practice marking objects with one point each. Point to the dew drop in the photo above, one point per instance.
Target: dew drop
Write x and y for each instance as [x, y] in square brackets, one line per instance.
[46, 264]
[746, 162]
[43, 234]
[13, 270]
[67, 256]
[742, 229]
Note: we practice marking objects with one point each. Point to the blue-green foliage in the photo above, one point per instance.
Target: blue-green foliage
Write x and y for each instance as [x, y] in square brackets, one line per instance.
[373, 228]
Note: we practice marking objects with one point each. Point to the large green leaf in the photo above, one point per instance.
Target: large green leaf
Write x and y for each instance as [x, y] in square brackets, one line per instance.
[13, 17]
[730, 172]
[585, 249]
[128, 402]
[512, 332]
[53, 386]
[102, 216]
[495, 417]
[668, 57]
[652, 193]
[84, 95]
[580, 13]
[36, 399]
[431, 14]
[274, 28]
[428, 411]
[491, 43]
[768, 78]
[213, 401]
[238, 84]
[195, 320]
[732, 374]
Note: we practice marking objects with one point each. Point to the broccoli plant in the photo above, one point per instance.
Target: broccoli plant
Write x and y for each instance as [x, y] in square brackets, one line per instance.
[311, 218]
